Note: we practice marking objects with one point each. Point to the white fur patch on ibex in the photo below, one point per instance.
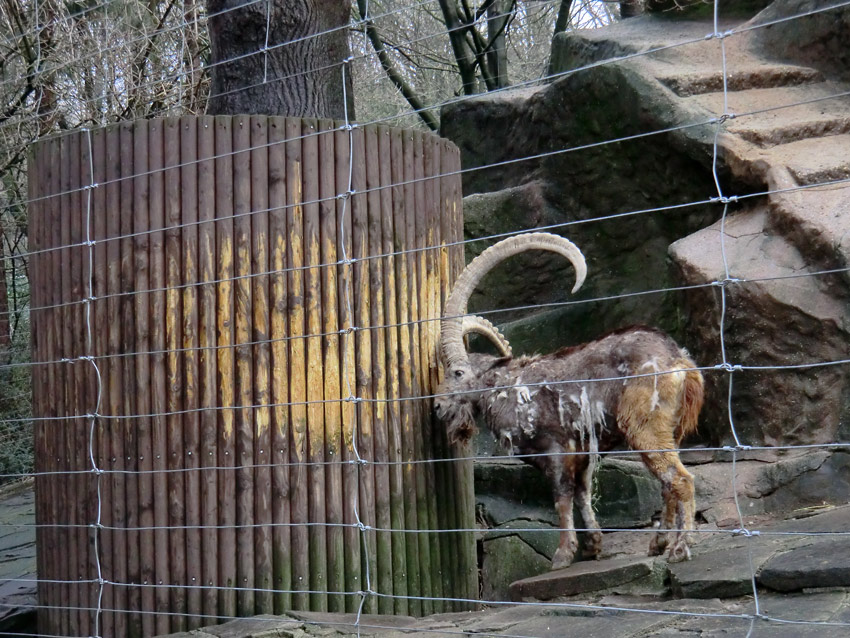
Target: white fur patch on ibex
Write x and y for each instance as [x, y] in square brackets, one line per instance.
[653, 364]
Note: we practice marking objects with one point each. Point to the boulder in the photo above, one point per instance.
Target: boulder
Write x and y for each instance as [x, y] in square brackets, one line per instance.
[626, 495]
[514, 480]
[774, 316]
[495, 511]
[507, 559]
[818, 564]
[541, 537]
[819, 39]
[558, 188]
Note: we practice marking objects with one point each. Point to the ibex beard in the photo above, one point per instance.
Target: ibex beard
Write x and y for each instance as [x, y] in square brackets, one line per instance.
[559, 411]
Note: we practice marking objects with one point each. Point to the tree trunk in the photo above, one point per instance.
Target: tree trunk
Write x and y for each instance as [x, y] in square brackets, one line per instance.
[300, 74]
[498, 15]
[563, 19]
[464, 56]
[631, 8]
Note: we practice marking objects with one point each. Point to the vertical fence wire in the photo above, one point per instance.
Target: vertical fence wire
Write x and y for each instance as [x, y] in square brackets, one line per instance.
[729, 368]
[97, 472]
[348, 334]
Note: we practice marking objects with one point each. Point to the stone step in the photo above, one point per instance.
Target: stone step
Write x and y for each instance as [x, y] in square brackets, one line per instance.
[780, 316]
[754, 252]
[770, 117]
[755, 77]
[814, 160]
[814, 219]
[707, 577]
[783, 130]
[582, 577]
[821, 564]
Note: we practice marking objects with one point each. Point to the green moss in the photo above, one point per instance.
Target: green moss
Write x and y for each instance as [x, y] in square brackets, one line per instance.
[507, 560]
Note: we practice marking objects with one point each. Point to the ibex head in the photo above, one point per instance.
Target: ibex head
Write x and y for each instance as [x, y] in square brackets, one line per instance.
[458, 411]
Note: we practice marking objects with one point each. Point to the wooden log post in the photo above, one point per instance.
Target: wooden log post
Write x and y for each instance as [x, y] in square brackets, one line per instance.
[266, 293]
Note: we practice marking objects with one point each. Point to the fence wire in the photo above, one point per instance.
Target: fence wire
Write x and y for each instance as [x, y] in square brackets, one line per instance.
[95, 413]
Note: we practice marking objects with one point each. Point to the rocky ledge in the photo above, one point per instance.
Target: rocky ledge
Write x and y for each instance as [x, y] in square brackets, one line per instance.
[802, 579]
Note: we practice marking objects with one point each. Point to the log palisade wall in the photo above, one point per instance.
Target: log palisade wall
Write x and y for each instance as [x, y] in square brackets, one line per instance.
[199, 263]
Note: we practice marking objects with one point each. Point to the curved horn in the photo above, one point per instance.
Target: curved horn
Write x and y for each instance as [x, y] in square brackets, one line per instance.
[451, 335]
[473, 323]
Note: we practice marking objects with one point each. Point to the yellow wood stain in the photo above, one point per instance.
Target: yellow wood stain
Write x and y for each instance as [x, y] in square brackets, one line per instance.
[190, 301]
[364, 353]
[279, 373]
[331, 360]
[261, 330]
[223, 321]
[348, 385]
[297, 360]
[315, 382]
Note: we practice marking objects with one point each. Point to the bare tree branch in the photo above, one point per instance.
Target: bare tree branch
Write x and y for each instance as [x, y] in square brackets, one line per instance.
[142, 57]
[392, 73]
[464, 54]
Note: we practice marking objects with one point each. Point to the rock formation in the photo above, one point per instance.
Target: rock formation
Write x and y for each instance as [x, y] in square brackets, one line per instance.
[647, 214]
[789, 134]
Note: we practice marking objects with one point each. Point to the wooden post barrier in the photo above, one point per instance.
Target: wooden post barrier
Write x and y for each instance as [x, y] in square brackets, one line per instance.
[245, 310]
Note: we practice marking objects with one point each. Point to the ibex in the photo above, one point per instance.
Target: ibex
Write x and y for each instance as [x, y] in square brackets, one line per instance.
[634, 385]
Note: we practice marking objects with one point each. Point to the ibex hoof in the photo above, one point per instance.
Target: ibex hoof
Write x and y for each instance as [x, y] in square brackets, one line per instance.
[593, 545]
[658, 544]
[679, 552]
[562, 558]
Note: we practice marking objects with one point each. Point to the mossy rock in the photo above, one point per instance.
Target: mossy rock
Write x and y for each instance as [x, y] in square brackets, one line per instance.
[626, 495]
[505, 560]
[541, 537]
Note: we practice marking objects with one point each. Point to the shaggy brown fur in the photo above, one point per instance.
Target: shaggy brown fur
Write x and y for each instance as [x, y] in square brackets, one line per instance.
[634, 386]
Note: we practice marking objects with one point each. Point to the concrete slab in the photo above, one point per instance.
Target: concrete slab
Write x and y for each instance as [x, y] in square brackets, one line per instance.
[709, 576]
[582, 577]
[819, 564]
[17, 556]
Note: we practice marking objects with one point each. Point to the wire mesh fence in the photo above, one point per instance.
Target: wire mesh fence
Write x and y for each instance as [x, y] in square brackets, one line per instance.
[162, 504]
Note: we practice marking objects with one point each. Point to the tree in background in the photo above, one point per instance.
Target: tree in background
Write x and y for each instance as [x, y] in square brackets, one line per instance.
[253, 73]
[437, 51]
[71, 63]
[66, 64]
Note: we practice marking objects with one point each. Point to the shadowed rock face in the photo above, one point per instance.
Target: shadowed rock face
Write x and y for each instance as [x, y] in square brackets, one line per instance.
[784, 319]
[768, 146]
[819, 39]
[564, 188]
[782, 311]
